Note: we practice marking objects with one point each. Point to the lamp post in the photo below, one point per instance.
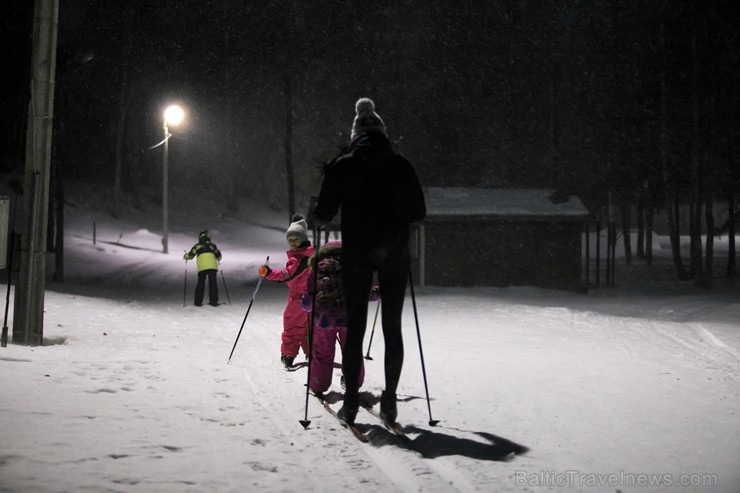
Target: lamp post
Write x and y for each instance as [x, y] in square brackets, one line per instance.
[173, 115]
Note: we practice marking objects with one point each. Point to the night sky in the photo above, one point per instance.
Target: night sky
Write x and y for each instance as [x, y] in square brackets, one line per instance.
[556, 94]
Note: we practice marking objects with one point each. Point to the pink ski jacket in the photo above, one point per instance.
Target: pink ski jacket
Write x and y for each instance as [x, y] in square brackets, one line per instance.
[295, 273]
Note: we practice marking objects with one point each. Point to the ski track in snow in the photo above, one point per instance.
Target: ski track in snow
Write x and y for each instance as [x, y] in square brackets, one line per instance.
[404, 470]
[704, 332]
[185, 352]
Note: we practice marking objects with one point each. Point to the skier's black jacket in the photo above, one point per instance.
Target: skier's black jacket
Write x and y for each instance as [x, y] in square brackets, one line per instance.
[378, 192]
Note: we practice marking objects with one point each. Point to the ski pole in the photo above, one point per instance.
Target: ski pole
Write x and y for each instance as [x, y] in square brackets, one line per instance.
[4, 335]
[259, 281]
[372, 332]
[185, 284]
[432, 422]
[223, 278]
[312, 319]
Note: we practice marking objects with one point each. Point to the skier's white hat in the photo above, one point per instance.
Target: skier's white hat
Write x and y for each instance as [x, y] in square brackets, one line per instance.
[367, 119]
[298, 228]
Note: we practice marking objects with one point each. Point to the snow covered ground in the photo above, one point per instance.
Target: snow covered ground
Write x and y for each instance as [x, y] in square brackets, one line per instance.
[633, 388]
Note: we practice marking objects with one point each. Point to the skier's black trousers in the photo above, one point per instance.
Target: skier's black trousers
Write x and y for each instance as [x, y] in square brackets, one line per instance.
[212, 287]
[392, 262]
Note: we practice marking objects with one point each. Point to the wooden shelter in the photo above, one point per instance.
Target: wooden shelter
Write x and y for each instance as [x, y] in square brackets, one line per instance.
[501, 237]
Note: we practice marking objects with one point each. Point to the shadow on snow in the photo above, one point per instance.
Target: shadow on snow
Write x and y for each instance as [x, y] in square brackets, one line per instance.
[430, 443]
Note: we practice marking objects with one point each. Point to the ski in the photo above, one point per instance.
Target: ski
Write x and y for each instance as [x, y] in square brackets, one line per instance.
[352, 428]
[394, 427]
[295, 367]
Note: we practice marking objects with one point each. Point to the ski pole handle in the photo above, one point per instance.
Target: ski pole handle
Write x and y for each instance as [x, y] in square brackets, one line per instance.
[264, 269]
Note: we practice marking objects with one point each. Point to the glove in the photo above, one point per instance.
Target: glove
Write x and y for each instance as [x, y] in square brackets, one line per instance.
[264, 271]
[306, 302]
[375, 293]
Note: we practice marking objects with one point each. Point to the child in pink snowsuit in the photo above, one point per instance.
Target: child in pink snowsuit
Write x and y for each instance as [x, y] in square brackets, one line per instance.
[295, 274]
[330, 318]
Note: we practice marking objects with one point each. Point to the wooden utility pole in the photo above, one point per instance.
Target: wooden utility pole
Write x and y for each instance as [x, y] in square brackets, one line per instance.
[28, 315]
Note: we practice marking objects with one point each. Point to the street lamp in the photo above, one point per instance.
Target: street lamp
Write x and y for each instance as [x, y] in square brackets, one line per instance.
[173, 115]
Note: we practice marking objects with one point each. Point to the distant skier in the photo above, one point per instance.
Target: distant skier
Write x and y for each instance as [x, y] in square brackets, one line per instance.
[330, 317]
[208, 256]
[379, 195]
[295, 320]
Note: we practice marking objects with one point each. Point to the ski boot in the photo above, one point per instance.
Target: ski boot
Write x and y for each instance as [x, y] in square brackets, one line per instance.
[348, 411]
[287, 361]
[388, 409]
